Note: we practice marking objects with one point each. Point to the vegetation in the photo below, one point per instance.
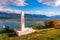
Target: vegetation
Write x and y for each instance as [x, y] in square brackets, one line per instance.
[51, 23]
[43, 34]
[7, 30]
[48, 24]
[47, 32]
[38, 26]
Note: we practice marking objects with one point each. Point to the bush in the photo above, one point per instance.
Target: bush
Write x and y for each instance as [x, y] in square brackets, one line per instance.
[38, 26]
[7, 30]
[57, 27]
[51, 23]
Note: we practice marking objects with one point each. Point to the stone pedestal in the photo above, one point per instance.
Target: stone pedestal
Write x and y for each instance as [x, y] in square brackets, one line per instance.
[24, 32]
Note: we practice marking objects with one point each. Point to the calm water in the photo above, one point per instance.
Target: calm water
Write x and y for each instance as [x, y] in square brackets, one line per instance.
[15, 24]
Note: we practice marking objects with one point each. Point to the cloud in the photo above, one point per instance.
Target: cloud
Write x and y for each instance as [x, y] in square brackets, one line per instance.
[4, 3]
[50, 2]
[46, 13]
[10, 10]
[14, 2]
[51, 13]
[33, 12]
[18, 2]
[37, 12]
[43, 13]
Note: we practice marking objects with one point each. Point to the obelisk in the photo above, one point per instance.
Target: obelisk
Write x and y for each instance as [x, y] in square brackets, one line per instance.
[22, 27]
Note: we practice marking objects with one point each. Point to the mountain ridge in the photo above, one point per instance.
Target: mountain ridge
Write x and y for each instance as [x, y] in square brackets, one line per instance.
[5, 15]
[14, 15]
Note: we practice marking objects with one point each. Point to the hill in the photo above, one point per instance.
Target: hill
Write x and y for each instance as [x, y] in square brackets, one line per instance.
[5, 15]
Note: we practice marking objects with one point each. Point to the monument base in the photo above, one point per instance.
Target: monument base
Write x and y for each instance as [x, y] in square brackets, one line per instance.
[24, 32]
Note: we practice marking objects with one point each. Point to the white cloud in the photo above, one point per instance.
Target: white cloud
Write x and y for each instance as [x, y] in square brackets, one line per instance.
[14, 2]
[4, 3]
[33, 12]
[50, 2]
[43, 13]
[51, 13]
[46, 13]
[9, 10]
[18, 2]
[38, 12]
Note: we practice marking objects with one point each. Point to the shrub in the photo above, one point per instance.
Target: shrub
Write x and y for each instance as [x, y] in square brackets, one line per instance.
[51, 23]
[38, 26]
[7, 30]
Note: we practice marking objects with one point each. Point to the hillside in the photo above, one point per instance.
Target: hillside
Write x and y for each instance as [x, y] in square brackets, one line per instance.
[4, 15]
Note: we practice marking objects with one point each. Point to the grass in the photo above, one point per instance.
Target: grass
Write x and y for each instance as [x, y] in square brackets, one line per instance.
[43, 34]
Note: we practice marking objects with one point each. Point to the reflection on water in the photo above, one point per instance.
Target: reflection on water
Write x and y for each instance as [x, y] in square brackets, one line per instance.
[14, 24]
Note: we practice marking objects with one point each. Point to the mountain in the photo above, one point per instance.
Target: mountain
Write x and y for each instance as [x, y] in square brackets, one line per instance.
[5, 15]
[56, 17]
[35, 16]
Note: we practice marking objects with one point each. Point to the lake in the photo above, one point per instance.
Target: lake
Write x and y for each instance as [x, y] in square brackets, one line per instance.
[14, 24]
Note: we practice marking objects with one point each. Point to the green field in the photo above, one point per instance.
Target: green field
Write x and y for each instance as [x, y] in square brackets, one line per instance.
[43, 34]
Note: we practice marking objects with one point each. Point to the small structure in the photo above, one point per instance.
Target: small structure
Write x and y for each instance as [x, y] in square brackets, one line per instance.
[22, 30]
[4, 26]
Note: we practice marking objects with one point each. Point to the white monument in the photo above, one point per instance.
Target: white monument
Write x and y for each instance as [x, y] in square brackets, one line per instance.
[22, 22]
[22, 30]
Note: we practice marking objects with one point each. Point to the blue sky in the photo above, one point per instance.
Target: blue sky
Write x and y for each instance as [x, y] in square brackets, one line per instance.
[42, 7]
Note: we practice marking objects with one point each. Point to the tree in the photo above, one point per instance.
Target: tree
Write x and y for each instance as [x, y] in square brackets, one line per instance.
[51, 23]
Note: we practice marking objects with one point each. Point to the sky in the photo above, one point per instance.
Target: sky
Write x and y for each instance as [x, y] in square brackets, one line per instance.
[39, 7]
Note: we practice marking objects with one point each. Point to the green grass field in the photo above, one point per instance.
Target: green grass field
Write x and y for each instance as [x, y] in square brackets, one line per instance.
[43, 34]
